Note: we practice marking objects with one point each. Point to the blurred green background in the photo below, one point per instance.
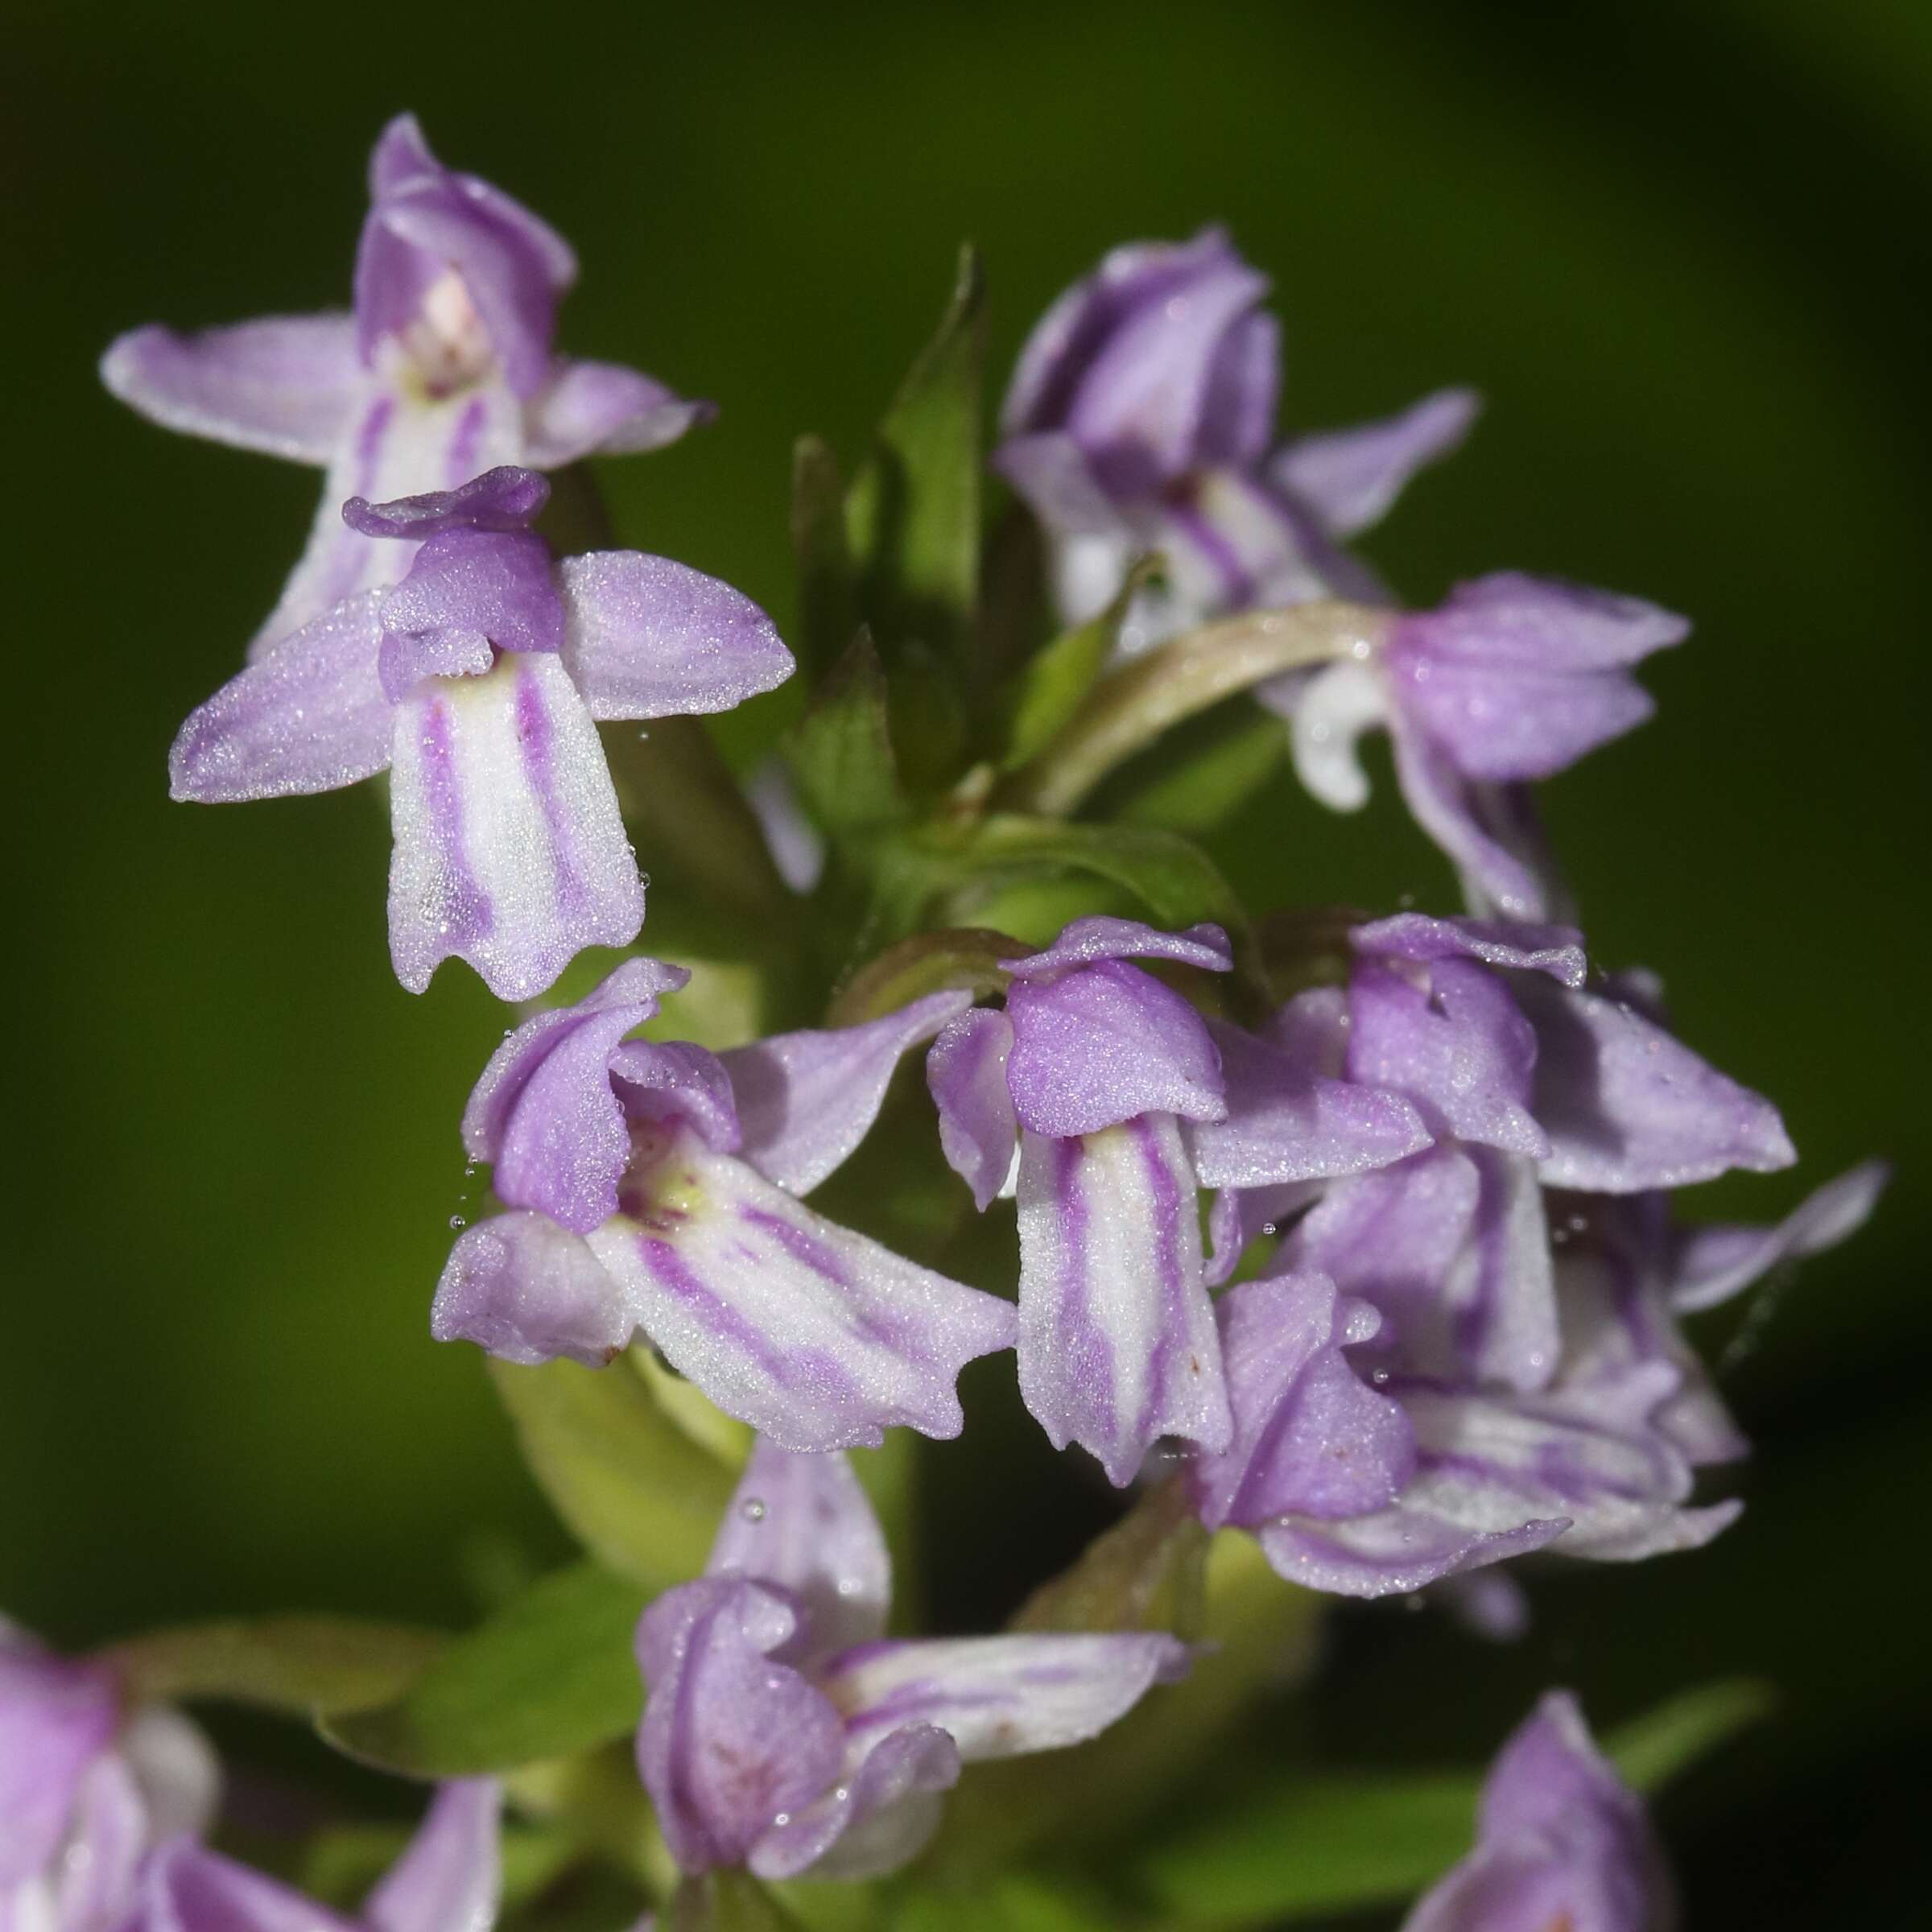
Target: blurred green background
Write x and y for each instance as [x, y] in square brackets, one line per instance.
[1682, 250]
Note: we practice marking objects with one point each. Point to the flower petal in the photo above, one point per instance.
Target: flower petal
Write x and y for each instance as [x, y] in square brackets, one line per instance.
[1103, 1043]
[818, 1337]
[526, 1290]
[1003, 1696]
[805, 1523]
[1286, 1123]
[544, 1113]
[732, 1739]
[966, 1071]
[1628, 1107]
[1310, 1436]
[601, 409]
[186, 1888]
[1100, 936]
[660, 1082]
[510, 852]
[308, 716]
[1557, 951]
[1509, 620]
[449, 1879]
[1392, 1552]
[1350, 478]
[880, 1813]
[1505, 725]
[645, 638]
[287, 386]
[806, 1100]
[399, 443]
[1710, 1264]
[1117, 1342]
[504, 502]
[1457, 1046]
[56, 1717]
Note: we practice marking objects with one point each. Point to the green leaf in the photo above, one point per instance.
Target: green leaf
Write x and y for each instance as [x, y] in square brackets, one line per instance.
[1299, 1843]
[550, 1674]
[1200, 774]
[1175, 879]
[302, 1664]
[828, 615]
[1650, 1750]
[1148, 1572]
[965, 957]
[726, 1901]
[840, 752]
[912, 514]
[634, 1486]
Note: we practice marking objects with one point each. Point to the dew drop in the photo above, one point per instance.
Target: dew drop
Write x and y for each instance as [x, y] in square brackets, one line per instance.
[459, 1220]
[752, 1508]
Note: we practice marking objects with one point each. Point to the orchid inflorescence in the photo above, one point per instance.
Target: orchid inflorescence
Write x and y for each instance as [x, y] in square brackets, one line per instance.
[1347, 1250]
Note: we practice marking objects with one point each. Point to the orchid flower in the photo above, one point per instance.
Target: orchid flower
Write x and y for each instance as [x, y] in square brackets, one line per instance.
[477, 682]
[1561, 1840]
[786, 1732]
[87, 1789]
[653, 1190]
[444, 368]
[448, 1880]
[1141, 418]
[1113, 1089]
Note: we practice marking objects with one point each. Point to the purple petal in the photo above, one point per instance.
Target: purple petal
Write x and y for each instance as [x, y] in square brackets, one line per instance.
[1003, 1696]
[645, 638]
[1711, 1264]
[558, 1060]
[510, 851]
[478, 588]
[1556, 950]
[1456, 1045]
[1560, 1842]
[528, 1291]
[966, 1071]
[1104, 1043]
[185, 1888]
[1392, 1553]
[796, 844]
[1628, 1107]
[400, 443]
[289, 385]
[1490, 833]
[1101, 937]
[1244, 385]
[676, 1081]
[1051, 472]
[427, 221]
[1508, 622]
[1350, 478]
[1310, 1436]
[1452, 1247]
[449, 1879]
[807, 1099]
[506, 500]
[732, 1739]
[1117, 1341]
[804, 1523]
[1508, 725]
[1286, 1123]
[600, 409]
[879, 1814]
[308, 716]
[818, 1337]
[56, 1717]
[93, 1884]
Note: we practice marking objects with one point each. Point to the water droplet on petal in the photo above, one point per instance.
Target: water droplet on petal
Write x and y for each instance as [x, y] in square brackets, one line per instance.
[752, 1508]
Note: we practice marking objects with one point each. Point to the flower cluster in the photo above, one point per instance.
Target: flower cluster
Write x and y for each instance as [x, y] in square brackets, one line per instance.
[1373, 1259]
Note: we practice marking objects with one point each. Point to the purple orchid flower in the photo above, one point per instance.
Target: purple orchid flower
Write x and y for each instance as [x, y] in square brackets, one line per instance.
[1561, 1840]
[653, 1189]
[86, 1790]
[1513, 680]
[445, 368]
[1450, 1365]
[477, 682]
[1140, 419]
[1114, 1091]
[448, 1880]
[784, 1732]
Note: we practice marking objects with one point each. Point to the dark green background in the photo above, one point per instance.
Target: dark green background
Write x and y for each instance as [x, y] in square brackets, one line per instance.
[1681, 249]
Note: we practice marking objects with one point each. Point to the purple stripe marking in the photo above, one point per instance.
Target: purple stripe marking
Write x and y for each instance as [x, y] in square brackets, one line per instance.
[1165, 1235]
[462, 912]
[462, 458]
[1237, 582]
[536, 742]
[879, 1325]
